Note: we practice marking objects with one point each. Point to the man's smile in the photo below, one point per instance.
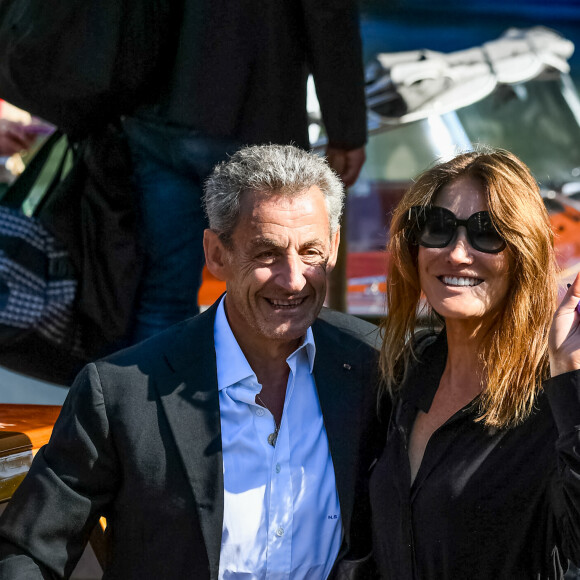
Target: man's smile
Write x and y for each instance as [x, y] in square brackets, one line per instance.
[286, 303]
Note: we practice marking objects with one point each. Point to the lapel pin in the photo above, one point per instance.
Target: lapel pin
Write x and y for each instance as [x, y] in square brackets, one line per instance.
[346, 366]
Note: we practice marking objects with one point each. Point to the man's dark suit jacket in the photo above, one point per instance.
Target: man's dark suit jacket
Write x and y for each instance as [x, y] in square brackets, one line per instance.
[138, 441]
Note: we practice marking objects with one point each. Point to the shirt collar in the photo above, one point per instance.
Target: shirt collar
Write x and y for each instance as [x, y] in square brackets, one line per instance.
[310, 348]
[227, 349]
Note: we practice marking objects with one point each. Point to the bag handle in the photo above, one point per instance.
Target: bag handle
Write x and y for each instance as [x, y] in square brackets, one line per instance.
[17, 193]
[57, 178]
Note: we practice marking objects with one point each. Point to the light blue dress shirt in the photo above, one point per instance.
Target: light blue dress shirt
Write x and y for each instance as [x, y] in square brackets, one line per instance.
[281, 511]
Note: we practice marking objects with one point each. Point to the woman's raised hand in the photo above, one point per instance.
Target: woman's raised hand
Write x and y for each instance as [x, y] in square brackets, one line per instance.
[564, 339]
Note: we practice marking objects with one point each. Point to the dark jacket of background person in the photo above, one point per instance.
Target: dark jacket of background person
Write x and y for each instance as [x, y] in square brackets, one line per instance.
[241, 67]
[485, 503]
[144, 429]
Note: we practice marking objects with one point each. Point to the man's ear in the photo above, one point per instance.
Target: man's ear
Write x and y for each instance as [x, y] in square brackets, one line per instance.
[216, 254]
[334, 243]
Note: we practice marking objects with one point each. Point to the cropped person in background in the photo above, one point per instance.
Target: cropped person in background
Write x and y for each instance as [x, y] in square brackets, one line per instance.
[238, 77]
[480, 475]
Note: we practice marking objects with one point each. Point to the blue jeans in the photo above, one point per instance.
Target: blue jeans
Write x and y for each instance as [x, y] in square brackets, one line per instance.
[170, 165]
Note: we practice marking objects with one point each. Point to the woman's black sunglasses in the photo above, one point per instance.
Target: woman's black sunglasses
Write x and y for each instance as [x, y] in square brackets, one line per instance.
[435, 227]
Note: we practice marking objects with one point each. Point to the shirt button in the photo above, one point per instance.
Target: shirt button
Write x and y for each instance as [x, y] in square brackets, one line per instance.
[260, 412]
[278, 468]
[280, 532]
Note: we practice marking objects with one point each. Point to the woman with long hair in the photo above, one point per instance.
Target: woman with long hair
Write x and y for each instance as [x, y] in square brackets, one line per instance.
[480, 475]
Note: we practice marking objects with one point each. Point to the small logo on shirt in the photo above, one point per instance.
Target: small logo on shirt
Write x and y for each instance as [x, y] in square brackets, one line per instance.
[332, 517]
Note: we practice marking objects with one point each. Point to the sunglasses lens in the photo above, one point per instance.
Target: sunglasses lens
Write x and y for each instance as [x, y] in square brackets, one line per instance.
[436, 228]
[484, 236]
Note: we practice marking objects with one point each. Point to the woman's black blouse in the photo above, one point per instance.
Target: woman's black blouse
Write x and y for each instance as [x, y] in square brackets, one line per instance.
[486, 504]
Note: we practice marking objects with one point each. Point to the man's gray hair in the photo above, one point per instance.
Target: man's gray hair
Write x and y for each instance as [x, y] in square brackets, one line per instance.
[271, 169]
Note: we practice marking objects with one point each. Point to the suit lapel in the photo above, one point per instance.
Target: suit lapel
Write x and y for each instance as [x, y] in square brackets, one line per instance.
[334, 374]
[190, 398]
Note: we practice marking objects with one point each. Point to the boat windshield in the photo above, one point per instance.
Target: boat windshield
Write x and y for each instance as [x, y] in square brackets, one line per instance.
[538, 120]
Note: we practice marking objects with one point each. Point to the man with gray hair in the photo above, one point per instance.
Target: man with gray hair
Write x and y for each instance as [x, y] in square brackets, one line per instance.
[237, 444]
